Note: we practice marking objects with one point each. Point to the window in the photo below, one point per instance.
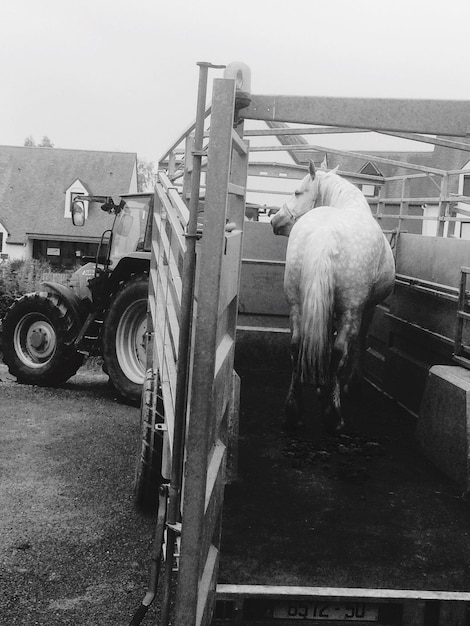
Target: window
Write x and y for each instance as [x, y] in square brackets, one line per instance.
[369, 190]
[466, 185]
[462, 229]
[65, 254]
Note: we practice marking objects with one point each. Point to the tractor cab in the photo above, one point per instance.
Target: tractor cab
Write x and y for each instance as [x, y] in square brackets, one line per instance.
[130, 232]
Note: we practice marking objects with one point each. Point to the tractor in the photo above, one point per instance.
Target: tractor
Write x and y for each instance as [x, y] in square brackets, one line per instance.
[103, 312]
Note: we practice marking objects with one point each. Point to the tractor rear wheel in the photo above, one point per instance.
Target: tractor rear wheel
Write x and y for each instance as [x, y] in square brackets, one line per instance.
[38, 334]
[124, 341]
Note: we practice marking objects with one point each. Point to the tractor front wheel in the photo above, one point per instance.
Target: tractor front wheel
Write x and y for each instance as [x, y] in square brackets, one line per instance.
[38, 334]
[124, 343]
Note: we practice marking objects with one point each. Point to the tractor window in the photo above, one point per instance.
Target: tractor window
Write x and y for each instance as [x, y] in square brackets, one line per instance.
[130, 226]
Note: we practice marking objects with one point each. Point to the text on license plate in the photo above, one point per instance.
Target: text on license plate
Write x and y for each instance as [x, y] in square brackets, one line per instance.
[347, 611]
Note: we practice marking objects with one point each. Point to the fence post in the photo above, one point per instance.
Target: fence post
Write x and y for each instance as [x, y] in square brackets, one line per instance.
[443, 205]
[188, 168]
[403, 205]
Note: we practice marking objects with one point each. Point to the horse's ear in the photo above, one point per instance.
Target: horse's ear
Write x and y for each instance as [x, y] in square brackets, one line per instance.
[334, 170]
[311, 168]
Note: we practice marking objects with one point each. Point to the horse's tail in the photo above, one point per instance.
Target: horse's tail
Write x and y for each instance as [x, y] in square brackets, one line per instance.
[317, 292]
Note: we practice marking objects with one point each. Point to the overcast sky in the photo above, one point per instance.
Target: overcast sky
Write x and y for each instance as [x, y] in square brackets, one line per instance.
[122, 75]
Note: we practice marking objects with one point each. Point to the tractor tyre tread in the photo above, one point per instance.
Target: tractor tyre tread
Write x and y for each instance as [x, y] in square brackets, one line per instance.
[134, 289]
[65, 360]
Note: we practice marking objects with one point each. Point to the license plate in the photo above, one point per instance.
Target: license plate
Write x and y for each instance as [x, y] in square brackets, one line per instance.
[325, 611]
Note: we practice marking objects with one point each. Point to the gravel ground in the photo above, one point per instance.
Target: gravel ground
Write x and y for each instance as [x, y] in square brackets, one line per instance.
[73, 550]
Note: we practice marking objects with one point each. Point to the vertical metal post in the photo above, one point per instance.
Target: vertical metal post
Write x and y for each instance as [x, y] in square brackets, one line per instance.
[171, 164]
[198, 551]
[380, 204]
[443, 205]
[403, 205]
[189, 272]
[188, 168]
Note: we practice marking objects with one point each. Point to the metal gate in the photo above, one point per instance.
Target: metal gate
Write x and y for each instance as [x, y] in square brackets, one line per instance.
[191, 392]
[211, 392]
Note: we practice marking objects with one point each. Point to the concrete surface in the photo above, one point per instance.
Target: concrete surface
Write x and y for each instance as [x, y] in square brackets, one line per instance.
[443, 424]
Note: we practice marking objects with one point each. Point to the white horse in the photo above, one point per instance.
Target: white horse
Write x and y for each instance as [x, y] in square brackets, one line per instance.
[339, 265]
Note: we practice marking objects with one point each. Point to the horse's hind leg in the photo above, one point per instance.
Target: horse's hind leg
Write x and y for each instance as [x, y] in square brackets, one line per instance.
[358, 349]
[330, 398]
[343, 349]
[294, 405]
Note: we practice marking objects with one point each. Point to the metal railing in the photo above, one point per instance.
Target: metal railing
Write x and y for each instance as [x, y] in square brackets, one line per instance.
[396, 210]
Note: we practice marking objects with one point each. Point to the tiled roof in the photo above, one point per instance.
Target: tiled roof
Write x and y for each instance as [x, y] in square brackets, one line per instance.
[440, 158]
[33, 182]
[394, 188]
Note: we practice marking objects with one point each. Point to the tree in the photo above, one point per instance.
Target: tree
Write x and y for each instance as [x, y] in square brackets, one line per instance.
[146, 175]
[45, 142]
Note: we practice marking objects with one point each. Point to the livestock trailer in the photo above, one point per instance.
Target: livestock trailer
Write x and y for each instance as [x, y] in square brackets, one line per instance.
[216, 301]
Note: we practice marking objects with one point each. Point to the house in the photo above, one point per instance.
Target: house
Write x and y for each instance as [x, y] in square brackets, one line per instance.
[421, 189]
[36, 187]
[385, 179]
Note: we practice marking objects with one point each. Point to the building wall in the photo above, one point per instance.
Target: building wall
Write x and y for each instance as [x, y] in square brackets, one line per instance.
[133, 183]
[3, 238]
[16, 252]
[12, 251]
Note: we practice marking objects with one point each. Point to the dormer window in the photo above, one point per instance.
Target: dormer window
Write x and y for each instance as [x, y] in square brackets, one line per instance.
[76, 189]
[369, 189]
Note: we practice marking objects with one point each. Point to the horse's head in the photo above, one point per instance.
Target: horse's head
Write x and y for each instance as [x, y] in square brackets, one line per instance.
[304, 198]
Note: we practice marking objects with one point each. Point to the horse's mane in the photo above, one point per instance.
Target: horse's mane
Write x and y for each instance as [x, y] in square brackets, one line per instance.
[336, 191]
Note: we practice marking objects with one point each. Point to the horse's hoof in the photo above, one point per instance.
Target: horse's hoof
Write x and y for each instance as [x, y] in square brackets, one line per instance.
[333, 425]
[353, 391]
[292, 413]
[287, 428]
[290, 426]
